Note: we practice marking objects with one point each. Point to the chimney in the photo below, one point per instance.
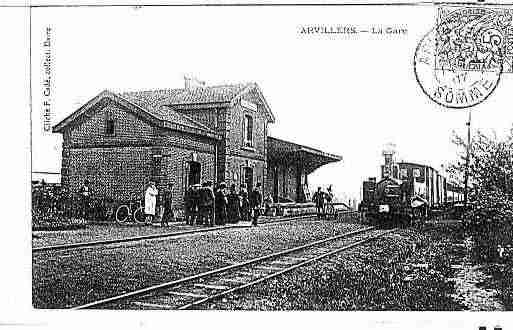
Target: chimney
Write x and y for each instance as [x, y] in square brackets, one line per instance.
[187, 81]
[192, 82]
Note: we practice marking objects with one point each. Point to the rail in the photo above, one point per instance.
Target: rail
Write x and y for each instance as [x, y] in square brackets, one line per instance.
[209, 281]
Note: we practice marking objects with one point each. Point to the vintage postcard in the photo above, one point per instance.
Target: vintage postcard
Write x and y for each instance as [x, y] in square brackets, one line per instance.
[273, 157]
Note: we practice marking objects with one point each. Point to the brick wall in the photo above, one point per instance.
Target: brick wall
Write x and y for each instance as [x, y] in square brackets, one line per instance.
[287, 180]
[236, 154]
[234, 166]
[184, 140]
[216, 119]
[292, 182]
[129, 129]
[175, 170]
[118, 166]
[234, 134]
[207, 117]
[119, 172]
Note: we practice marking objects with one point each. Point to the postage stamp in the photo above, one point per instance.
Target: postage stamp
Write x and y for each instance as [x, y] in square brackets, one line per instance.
[458, 64]
[474, 38]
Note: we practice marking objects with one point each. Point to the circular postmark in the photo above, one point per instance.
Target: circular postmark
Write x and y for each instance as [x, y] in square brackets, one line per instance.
[459, 63]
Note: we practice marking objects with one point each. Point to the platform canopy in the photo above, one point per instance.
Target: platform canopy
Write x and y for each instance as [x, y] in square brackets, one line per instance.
[288, 152]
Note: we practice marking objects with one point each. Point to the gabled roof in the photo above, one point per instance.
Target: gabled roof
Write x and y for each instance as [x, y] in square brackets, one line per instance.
[195, 95]
[159, 104]
[167, 118]
[200, 95]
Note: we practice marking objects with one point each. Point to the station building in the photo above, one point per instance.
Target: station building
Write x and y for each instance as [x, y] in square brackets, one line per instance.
[120, 141]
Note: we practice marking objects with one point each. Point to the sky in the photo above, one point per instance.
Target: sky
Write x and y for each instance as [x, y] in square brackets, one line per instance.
[345, 94]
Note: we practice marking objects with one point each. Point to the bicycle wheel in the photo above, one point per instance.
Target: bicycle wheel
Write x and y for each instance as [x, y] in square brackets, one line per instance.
[122, 214]
[109, 214]
[331, 211]
[139, 215]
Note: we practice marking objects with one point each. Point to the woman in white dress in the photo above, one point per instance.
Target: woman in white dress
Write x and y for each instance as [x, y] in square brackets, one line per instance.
[150, 201]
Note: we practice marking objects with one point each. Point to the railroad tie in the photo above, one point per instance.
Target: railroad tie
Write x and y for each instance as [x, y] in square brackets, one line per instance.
[284, 263]
[269, 268]
[322, 250]
[234, 280]
[251, 274]
[209, 286]
[297, 258]
[186, 294]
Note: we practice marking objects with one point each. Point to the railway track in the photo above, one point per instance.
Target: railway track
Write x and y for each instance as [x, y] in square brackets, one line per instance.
[192, 291]
[163, 235]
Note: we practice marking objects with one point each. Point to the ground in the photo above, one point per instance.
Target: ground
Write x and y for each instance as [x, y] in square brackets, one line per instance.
[412, 269]
[72, 277]
[402, 271]
[99, 232]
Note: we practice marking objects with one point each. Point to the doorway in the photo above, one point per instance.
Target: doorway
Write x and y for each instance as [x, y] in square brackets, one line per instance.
[194, 173]
[248, 177]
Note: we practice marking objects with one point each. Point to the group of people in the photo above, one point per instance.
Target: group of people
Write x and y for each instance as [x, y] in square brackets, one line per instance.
[203, 204]
[207, 205]
[323, 201]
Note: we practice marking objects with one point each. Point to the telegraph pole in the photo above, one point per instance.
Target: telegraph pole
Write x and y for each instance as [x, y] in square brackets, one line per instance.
[467, 160]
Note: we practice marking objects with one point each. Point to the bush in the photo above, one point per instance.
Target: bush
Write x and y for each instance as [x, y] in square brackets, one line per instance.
[55, 208]
[489, 215]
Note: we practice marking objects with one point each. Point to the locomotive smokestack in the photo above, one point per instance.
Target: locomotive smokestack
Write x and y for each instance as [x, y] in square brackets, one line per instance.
[388, 153]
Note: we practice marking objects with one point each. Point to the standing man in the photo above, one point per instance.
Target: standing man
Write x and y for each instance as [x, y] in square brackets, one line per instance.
[150, 201]
[220, 204]
[244, 203]
[233, 208]
[85, 196]
[195, 205]
[210, 203]
[256, 203]
[329, 208]
[167, 196]
[318, 199]
[206, 204]
[187, 206]
[268, 202]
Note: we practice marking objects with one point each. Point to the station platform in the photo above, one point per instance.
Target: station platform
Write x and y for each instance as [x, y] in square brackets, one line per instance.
[96, 234]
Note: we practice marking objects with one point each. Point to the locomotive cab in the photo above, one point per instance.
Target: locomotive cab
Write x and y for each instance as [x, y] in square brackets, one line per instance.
[391, 201]
[388, 195]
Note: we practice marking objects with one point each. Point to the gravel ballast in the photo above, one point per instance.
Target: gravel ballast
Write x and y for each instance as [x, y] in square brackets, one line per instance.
[98, 232]
[63, 279]
[407, 270]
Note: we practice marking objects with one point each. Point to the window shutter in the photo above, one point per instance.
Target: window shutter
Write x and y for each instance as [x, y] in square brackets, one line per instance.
[185, 175]
[242, 177]
[244, 130]
[250, 131]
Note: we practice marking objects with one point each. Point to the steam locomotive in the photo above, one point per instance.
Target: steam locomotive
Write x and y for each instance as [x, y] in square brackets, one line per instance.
[408, 192]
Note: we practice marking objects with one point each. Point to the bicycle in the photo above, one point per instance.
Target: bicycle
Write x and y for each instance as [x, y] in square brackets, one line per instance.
[133, 209]
[330, 211]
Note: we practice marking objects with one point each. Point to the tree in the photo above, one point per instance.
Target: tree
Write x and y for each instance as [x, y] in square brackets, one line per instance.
[490, 198]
